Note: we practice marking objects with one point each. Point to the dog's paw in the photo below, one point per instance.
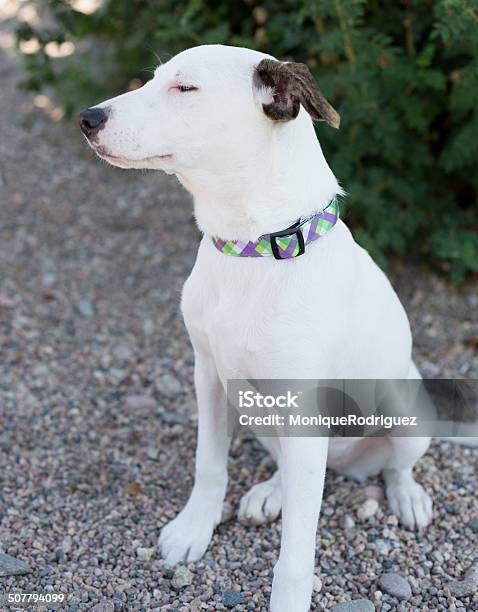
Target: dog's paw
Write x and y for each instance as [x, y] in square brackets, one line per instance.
[186, 538]
[262, 503]
[411, 504]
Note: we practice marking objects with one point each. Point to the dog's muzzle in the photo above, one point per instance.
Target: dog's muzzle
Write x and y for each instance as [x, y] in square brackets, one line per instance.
[92, 120]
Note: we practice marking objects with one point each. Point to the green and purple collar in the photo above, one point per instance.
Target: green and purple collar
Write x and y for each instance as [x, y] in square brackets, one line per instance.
[287, 243]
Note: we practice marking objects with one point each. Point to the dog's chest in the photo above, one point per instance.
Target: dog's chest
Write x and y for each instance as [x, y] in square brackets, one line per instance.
[314, 317]
[258, 319]
[231, 322]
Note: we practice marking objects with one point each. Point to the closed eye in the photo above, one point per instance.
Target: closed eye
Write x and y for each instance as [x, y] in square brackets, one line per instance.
[184, 88]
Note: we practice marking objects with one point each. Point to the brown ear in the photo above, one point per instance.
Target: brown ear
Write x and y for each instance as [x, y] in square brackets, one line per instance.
[291, 85]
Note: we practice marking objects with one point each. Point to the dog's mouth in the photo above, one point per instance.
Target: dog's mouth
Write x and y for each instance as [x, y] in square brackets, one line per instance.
[105, 154]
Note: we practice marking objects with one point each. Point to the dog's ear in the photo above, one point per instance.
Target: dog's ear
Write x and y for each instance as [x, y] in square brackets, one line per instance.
[291, 84]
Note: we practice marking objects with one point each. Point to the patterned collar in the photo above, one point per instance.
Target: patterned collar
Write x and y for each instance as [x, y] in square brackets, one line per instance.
[287, 243]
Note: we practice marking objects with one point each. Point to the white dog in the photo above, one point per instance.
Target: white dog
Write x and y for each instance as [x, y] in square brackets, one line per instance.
[235, 127]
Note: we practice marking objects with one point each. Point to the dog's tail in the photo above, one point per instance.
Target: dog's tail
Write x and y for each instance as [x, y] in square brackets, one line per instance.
[470, 441]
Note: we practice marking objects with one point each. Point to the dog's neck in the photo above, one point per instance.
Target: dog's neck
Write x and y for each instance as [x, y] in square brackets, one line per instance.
[284, 178]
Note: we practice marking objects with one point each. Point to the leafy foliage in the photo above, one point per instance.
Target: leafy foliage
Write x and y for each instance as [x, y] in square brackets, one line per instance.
[403, 75]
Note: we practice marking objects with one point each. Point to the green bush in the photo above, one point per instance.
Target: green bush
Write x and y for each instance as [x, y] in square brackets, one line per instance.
[402, 74]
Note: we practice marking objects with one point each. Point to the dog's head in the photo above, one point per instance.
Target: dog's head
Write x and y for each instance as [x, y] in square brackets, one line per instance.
[206, 104]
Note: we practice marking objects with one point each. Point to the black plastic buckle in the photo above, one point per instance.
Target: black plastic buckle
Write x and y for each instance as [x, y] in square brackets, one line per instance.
[290, 231]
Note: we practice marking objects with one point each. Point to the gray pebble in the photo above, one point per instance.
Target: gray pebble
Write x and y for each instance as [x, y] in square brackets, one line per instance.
[382, 546]
[145, 554]
[85, 308]
[395, 585]
[122, 352]
[9, 566]
[347, 522]
[104, 606]
[174, 418]
[356, 605]
[472, 300]
[168, 385]
[66, 544]
[148, 327]
[232, 598]
[437, 556]
[152, 453]
[141, 402]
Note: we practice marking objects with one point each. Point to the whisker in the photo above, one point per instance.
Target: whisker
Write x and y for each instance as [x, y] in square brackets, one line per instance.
[156, 55]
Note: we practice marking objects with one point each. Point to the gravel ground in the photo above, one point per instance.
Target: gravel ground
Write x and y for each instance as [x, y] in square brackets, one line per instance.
[97, 417]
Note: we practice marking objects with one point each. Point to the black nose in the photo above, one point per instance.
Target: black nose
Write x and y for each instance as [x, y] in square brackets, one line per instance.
[92, 120]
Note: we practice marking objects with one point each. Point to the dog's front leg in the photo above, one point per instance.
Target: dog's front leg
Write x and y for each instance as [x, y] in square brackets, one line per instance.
[188, 535]
[302, 472]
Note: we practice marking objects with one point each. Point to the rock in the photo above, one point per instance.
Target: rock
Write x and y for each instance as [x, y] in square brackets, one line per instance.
[347, 522]
[472, 300]
[189, 407]
[105, 361]
[6, 302]
[382, 546]
[117, 374]
[367, 509]
[174, 418]
[122, 352]
[48, 279]
[148, 327]
[104, 606]
[392, 520]
[145, 554]
[467, 586]
[9, 566]
[182, 577]
[73, 600]
[232, 598]
[85, 308]
[438, 557]
[474, 526]
[141, 402]
[374, 492]
[430, 368]
[168, 385]
[396, 585]
[152, 453]
[40, 371]
[66, 544]
[356, 605]
[316, 584]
